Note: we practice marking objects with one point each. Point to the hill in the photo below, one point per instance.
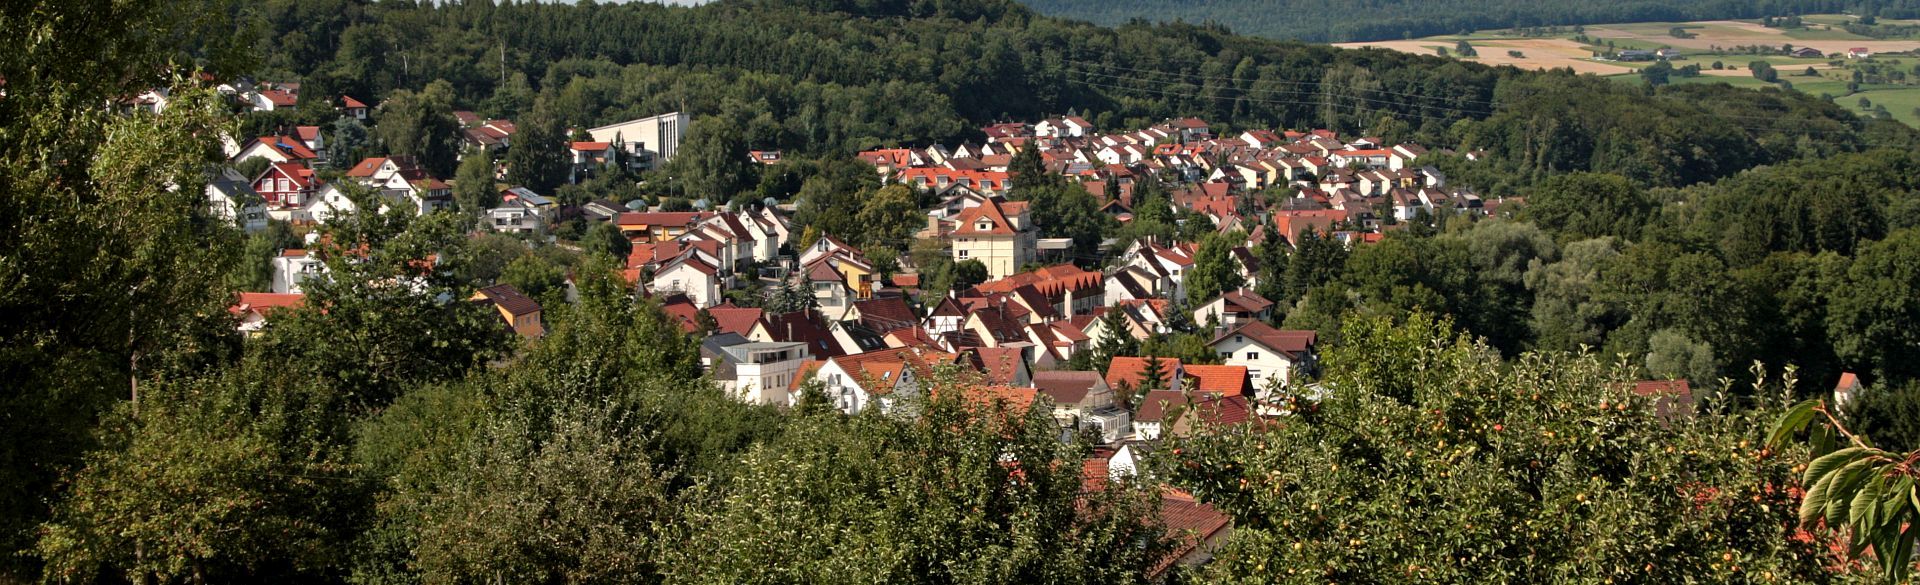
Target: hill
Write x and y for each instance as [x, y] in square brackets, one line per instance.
[1379, 20]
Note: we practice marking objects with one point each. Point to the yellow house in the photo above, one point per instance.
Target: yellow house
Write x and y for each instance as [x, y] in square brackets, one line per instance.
[522, 314]
[996, 233]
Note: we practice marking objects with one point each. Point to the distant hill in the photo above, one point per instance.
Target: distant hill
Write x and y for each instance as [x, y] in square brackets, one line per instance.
[1374, 20]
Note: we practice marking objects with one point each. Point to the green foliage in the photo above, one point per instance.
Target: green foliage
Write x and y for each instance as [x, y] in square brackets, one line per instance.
[1855, 486]
[537, 278]
[1214, 270]
[1872, 315]
[963, 493]
[473, 188]
[538, 158]
[1587, 205]
[889, 217]
[1890, 415]
[1433, 461]
[967, 273]
[713, 162]
[421, 124]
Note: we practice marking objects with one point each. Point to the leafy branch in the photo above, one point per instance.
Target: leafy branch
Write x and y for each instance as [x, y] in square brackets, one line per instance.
[1853, 484]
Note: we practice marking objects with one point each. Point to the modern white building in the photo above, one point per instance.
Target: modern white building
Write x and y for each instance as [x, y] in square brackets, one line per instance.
[646, 142]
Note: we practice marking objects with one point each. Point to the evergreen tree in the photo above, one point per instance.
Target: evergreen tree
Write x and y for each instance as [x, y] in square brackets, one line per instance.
[538, 158]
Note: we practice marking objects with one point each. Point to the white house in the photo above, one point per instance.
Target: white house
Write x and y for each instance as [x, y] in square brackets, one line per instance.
[1269, 354]
[1083, 401]
[292, 268]
[231, 198]
[693, 274]
[876, 379]
[757, 372]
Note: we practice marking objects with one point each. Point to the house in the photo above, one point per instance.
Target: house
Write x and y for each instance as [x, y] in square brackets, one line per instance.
[1172, 413]
[998, 234]
[755, 372]
[353, 108]
[1672, 399]
[277, 149]
[1635, 55]
[1859, 53]
[765, 157]
[311, 137]
[294, 267]
[231, 198]
[1197, 530]
[645, 143]
[1846, 390]
[588, 157]
[270, 99]
[252, 309]
[692, 273]
[520, 313]
[1233, 308]
[286, 189]
[521, 212]
[1083, 401]
[1270, 355]
[877, 379]
[644, 227]
[1807, 53]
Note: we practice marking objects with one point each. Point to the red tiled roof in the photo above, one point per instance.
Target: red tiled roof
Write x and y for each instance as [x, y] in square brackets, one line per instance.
[265, 302]
[307, 133]
[1130, 372]
[885, 314]
[367, 167]
[1288, 341]
[1190, 523]
[732, 319]
[1228, 380]
[968, 219]
[279, 98]
[1000, 364]
[352, 103]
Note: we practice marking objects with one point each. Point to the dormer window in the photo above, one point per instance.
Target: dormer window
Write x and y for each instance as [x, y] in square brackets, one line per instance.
[983, 225]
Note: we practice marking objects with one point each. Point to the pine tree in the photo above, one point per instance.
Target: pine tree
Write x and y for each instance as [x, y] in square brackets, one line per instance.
[1115, 338]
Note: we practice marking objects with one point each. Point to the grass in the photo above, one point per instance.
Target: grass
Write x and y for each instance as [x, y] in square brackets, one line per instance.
[1900, 102]
[1812, 34]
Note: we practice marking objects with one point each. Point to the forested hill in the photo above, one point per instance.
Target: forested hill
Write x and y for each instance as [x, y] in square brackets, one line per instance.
[1374, 20]
[834, 76]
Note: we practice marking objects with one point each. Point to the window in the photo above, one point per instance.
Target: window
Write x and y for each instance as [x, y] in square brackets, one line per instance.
[1239, 339]
[1253, 355]
[963, 253]
[286, 185]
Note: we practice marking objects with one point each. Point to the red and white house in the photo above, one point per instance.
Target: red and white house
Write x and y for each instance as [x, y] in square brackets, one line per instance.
[287, 187]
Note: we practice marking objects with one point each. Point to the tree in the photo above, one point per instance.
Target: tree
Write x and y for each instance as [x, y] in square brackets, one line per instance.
[1657, 74]
[538, 158]
[967, 273]
[1888, 414]
[1512, 447]
[1116, 339]
[1873, 316]
[347, 143]
[604, 238]
[713, 161]
[1316, 260]
[1214, 271]
[473, 188]
[889, 218]
[1672, 355]
[1579, 206]
[536, 278]
[1465, 49]
[421, 125]
[971, 473]
[1028, 172]
[573, 498]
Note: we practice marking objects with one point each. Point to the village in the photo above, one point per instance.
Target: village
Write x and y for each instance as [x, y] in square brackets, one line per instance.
[870, 339]
[1043, 328]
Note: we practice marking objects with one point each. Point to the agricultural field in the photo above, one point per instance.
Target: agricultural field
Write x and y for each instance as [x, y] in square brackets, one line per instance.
[1705, 43]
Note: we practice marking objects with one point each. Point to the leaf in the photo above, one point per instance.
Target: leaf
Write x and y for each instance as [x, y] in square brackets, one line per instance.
[1816, 499]
[1900, 559]
[1793, 421]
[1827, 463]
[1842, 489]
[1865, 507]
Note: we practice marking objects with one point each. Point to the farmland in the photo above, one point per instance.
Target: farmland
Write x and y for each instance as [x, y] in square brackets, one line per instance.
[1720, 51]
